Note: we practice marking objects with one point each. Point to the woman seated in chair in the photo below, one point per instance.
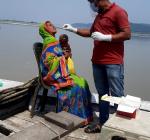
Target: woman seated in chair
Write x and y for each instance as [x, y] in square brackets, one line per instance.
[73, 92]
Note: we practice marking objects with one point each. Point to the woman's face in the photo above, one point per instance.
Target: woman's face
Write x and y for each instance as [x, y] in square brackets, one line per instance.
[51, 28]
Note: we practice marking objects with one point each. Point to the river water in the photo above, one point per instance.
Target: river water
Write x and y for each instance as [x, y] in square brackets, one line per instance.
[17, 60]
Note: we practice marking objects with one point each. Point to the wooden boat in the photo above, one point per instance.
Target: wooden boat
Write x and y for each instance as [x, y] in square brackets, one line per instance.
[16, 123]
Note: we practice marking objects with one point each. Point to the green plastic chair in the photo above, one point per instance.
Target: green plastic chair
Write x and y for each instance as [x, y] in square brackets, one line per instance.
[37, 48]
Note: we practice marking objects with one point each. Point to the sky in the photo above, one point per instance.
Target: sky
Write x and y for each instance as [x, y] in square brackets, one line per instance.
[67, 11]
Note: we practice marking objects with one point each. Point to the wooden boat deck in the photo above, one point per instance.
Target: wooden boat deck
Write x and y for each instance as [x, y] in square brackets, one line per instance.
[40, 129]
[21, 127]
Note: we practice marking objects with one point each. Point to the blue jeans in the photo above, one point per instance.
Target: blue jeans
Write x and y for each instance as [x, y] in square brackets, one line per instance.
[109, 79]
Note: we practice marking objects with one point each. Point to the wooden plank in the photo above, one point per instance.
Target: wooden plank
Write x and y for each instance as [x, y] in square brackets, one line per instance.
[63, 122]
[10, 127]
[69, 117]
[18, 123]
[76, 120]
[57, 129]
[35, 132]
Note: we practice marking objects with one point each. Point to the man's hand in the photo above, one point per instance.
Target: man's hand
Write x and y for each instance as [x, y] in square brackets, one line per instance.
[68, 27]
[101, 37]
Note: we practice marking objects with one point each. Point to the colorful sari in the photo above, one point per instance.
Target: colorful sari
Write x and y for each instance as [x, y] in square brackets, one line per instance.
[73, 92]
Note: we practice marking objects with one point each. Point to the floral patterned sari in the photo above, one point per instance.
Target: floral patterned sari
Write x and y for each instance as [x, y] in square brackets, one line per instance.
[73, 92]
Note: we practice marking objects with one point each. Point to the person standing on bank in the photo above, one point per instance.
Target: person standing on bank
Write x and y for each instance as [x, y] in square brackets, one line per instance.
[109, 31]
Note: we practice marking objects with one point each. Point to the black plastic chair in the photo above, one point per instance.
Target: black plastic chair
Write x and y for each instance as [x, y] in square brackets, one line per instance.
[37, 48]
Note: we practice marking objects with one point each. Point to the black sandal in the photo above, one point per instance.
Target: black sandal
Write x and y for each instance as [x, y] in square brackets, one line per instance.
[93, 128]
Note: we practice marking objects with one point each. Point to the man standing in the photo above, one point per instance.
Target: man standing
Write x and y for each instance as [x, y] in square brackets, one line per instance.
[109, 30]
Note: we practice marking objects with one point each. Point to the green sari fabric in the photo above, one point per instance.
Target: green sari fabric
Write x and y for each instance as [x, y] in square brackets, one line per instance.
[47, 38]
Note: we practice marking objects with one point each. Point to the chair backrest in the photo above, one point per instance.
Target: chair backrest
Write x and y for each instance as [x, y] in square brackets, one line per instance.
[37, 48]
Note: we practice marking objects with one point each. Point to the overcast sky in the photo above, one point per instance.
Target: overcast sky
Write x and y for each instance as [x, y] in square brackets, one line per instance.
[67, 11]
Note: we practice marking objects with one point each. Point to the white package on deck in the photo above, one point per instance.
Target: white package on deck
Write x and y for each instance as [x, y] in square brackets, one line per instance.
[9, 84]
[128, 104]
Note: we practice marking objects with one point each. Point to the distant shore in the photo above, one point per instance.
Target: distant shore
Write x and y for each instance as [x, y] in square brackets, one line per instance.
[138, 30]
[144, 35]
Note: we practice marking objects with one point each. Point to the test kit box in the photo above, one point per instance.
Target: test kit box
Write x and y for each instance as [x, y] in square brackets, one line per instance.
[127, 106]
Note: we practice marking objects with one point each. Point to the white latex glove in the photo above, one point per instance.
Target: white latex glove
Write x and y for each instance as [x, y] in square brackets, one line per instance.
[69, 28]
[101, 37]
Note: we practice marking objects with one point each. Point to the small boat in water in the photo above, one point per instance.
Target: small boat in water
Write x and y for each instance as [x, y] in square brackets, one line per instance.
[16, 123]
